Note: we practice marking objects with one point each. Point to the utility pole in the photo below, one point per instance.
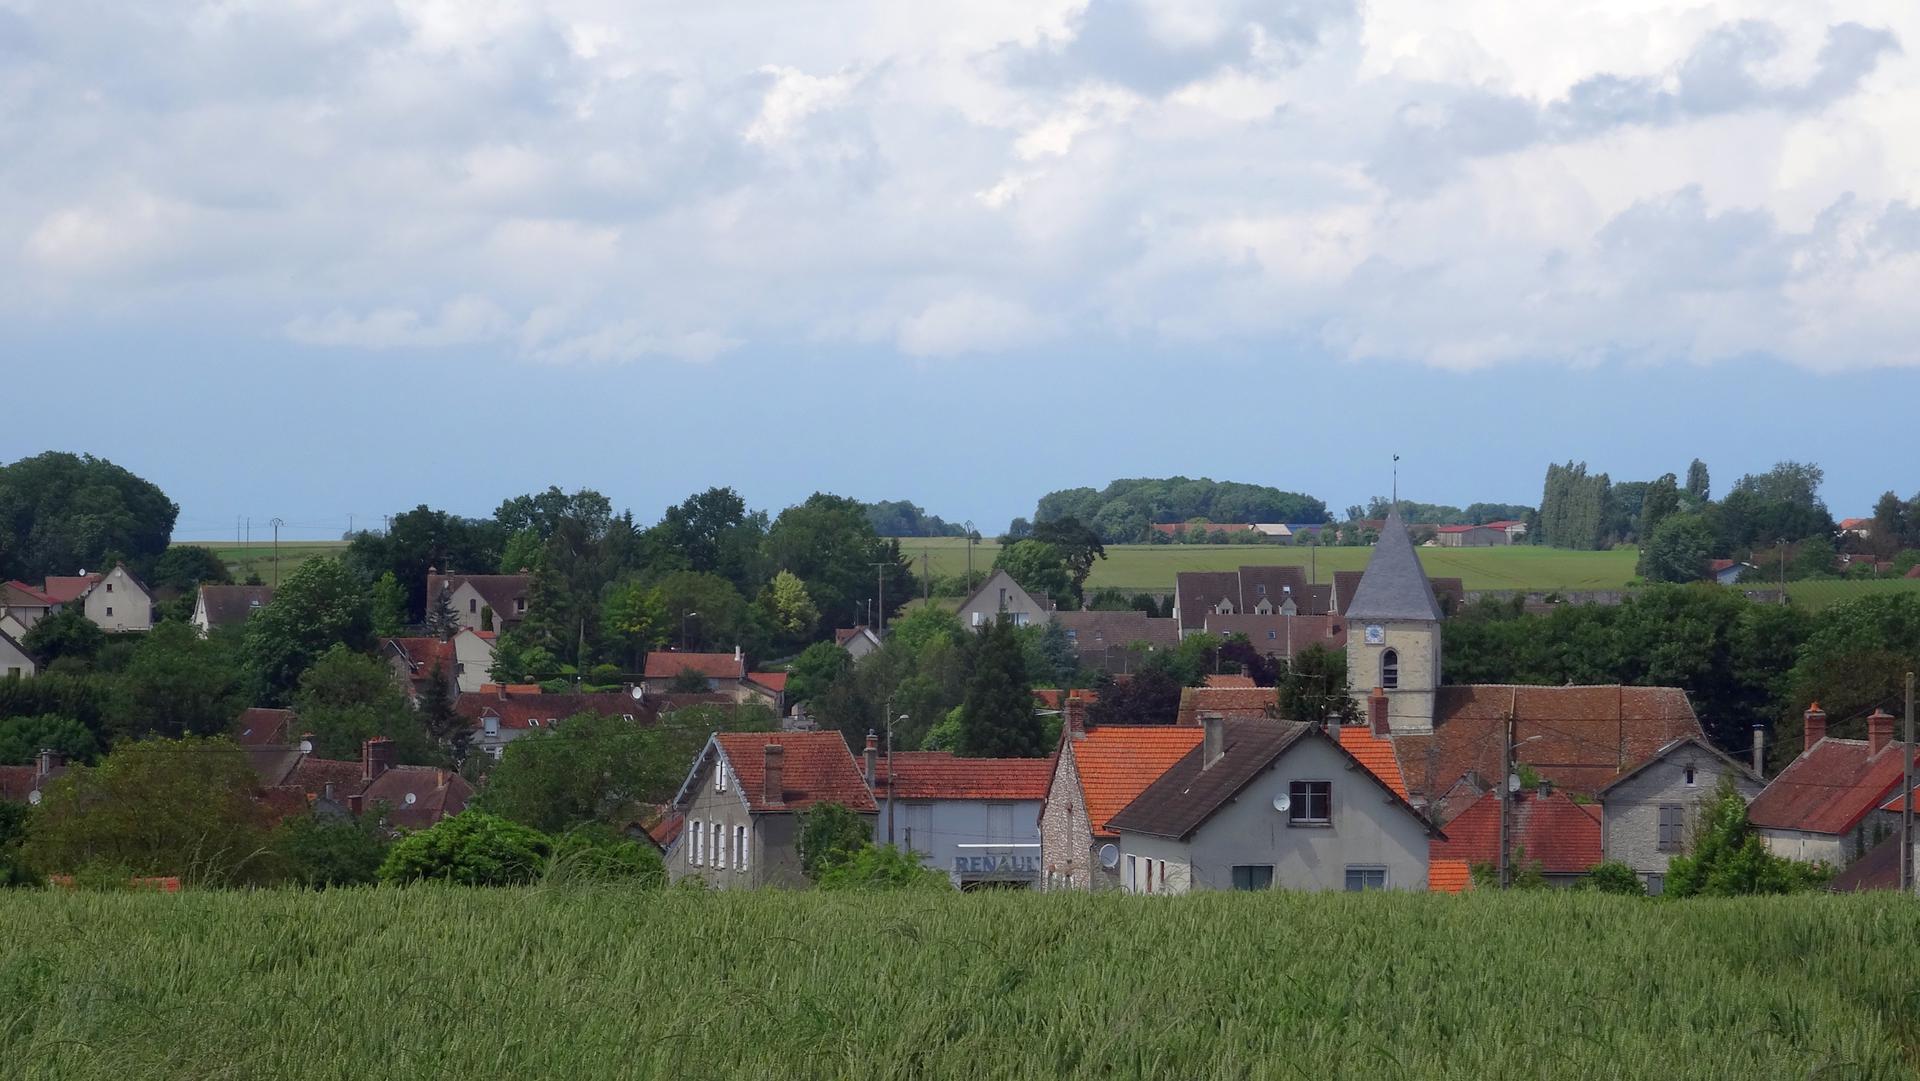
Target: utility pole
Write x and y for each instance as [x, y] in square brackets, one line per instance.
[969, 527]
[926, 582]
[1906, 804]
[1506, 793]
[880, 580]
[277, 523]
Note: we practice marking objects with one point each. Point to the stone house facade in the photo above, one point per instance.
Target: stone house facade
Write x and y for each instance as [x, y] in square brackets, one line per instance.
[1650, 814]
[742, 802]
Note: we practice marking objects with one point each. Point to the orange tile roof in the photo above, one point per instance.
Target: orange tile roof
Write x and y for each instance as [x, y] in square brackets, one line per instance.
[1561, 835]
[1375, 753]
[1050, 697]
[944, 775]
[1117, 762]
[666, 664]
[817, 768]
[1449, 876]
[1219, 680]
[773, 681]
[1829, 788]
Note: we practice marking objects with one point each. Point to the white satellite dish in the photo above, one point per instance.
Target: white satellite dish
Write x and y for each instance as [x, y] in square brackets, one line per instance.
[33, 797]
[1109, 856]
[1281, 803]
[635, 692]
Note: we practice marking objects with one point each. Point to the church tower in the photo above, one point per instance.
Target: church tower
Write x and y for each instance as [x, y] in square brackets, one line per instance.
[1393, 633]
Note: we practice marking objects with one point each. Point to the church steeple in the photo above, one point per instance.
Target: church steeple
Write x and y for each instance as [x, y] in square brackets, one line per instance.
[1393, 632]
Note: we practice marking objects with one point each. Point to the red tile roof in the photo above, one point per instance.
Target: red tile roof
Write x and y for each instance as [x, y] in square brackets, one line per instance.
[773, 681]
[1375, 753]
[941, 775]
[1449, 876]
[668, 664]
[1117, 762]
[418, 796]
[258, 726]
[422, 654]
[63, 589]
[816, 768]
[1051, 697]
[1829, 789]
[1855, 523]
[1559, 834]
[497, 690]
[527, 711]
[27, 595]
[17, 783]
[666, 829]
[1227, 702]
[1580, 738]
[1223, 680]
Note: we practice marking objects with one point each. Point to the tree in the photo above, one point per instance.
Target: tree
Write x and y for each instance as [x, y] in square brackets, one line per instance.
[1813, 558]
[1661, 499]
[67, 633]
[1699, 486]
[712, 612]
[472, 848]
[1313, 687]
[598, 768]
[633, 621]
[179, 684]
[1575, 508]
[442, 621]
[13, 835]
[346, 698]
[1728, 859]
[1040, 569]
[997, 717]
[879, 867]
[828, 542]
[1078, 546]
[544, 513]
[448, 730]
[1612, 876]
[816, 669]
[319, 606]
[423, 539]
[1050, 656]
[23, 738]
[389, 609]
[788, 607]
[156, 807]
[715, 534]
[1677, 550]
[595, 853]
[1150, 696]
[320, 852]
[521, 552]
[60, 513]
[829, 833]
[185, 567]
[1119, 512]
[688, 680]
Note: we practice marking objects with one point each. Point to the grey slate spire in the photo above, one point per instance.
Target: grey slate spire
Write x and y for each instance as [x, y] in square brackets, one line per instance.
[1395, 586]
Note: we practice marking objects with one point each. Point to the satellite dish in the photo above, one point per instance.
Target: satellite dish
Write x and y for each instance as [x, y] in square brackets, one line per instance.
[1513, 782]
[33, 797]
[1281, 803]
[1109, 856]
[635, 692]
[410, 798]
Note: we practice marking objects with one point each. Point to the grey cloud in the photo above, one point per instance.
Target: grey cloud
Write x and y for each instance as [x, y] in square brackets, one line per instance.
[1115, 41]
[1717, 77]
[1676, 242]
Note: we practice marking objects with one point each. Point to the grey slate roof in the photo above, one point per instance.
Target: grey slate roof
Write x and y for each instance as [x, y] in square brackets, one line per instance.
[227, 605]
[1394, 586]
[1186, 795]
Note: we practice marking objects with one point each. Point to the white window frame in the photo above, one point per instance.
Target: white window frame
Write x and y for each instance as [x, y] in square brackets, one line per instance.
[720, 777]
[1386, 880]
[739, 848]
[1133, 874]
[719, 846]
[697, 829]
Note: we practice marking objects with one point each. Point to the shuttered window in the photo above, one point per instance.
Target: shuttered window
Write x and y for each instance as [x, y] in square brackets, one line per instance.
[1672, 827]
[696, 834]
[740, 848]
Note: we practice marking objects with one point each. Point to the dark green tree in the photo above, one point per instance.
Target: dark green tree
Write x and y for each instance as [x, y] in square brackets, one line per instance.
[816, 669]
[322, 852]
[389, 607]
[831, 545]
[346, 698]
[1313, 687]
[1079, 547]
[1728, 858]
[829, 833]
[472, 848]
[179, 684]
[447, 729]
[423, 539]
[319, 606]
[442, 621]
[1661, 499]
[61, 513]
[185, 567]
[997, 716]
[66, 634]
[22, 738]
[1151, 695]
[1699, 485]
[1677, 550]
[1040, 569]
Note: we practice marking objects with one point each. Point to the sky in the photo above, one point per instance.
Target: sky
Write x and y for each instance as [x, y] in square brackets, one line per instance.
[329, 259]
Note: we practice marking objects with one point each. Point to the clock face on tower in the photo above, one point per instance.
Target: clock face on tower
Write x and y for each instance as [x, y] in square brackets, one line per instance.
[1376, 634]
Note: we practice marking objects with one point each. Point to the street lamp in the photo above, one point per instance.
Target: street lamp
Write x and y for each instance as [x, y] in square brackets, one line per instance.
[683, 629]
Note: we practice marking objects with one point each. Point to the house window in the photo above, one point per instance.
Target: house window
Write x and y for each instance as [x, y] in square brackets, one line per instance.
[719, 777]
[1656, 885]
[1271, 635]
[1310, 803]
[473, 605]
[519, 604]
[109, 587]
[1366, 878]
[13, 672]
[1390, 669]
[1261, 589]
[720, 846]
[1256, 876]
[694, 833]
[1672, 827]
[1689, 776]
[1132, 882]
[739, 848]
[109, 609]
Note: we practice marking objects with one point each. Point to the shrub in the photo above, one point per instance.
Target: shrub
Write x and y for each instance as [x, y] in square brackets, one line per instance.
[471, 848]
[829, 833]
[1614, 877]
[879, 867]
[595, 853]
[318, 853]
[1729, 860]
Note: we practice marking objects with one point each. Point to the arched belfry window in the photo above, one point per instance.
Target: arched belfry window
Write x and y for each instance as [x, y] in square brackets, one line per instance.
[1390, 669]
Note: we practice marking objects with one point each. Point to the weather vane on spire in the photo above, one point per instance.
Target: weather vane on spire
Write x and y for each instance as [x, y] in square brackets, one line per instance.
[1396, 484]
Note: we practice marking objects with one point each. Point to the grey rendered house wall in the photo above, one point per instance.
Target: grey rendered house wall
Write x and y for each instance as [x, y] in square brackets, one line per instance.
[1630, 822]
[727, 808]
[986, 604]
[11, 659]
[1369, 829]
[117, 603]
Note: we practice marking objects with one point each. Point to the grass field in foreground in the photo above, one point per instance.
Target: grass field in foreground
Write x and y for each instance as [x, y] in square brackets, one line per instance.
[257, 557]
[471, 984]
[1152, 566]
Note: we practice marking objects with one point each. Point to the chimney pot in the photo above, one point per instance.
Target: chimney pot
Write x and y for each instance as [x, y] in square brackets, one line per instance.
[1879, 731]
[872, 756]
[376, 758]
[1816, 726]
[1075, 708]
[1545, 788]
[1760, 750]
[47, 762]
[1213, 739]
[775, 768]
[1377, 713]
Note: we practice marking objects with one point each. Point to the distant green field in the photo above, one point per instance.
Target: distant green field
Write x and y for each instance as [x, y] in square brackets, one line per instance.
[1814, 596]
[1152, 566]
[243, 560]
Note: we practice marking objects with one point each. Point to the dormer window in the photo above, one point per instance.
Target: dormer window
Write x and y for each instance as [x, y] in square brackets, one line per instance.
[1689, 775]
[519, 604]
[1390, 669]
[1260, 588]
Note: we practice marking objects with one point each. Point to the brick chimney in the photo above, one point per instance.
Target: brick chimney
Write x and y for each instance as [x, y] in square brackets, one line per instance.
[47, 763]
[871, 755]
[1213, 739]
[1545, 788]
[1075, 709]
[1879, 731]
[1377, 713]
[1816, 726]
[1759, 750]
[774, 785]
[356, 803]
[376, 758]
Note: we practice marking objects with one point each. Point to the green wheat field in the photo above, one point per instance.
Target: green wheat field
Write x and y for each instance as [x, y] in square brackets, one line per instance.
[586, 984]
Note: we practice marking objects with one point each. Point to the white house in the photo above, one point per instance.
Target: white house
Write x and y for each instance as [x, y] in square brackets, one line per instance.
[15, 662]
[975, 819]
[118, 602]
[1001, 596]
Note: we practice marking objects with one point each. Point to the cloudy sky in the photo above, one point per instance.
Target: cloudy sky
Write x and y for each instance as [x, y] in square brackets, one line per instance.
[313, 258]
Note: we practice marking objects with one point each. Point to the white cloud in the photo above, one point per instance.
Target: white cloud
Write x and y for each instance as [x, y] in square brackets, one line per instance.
[592, 181]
